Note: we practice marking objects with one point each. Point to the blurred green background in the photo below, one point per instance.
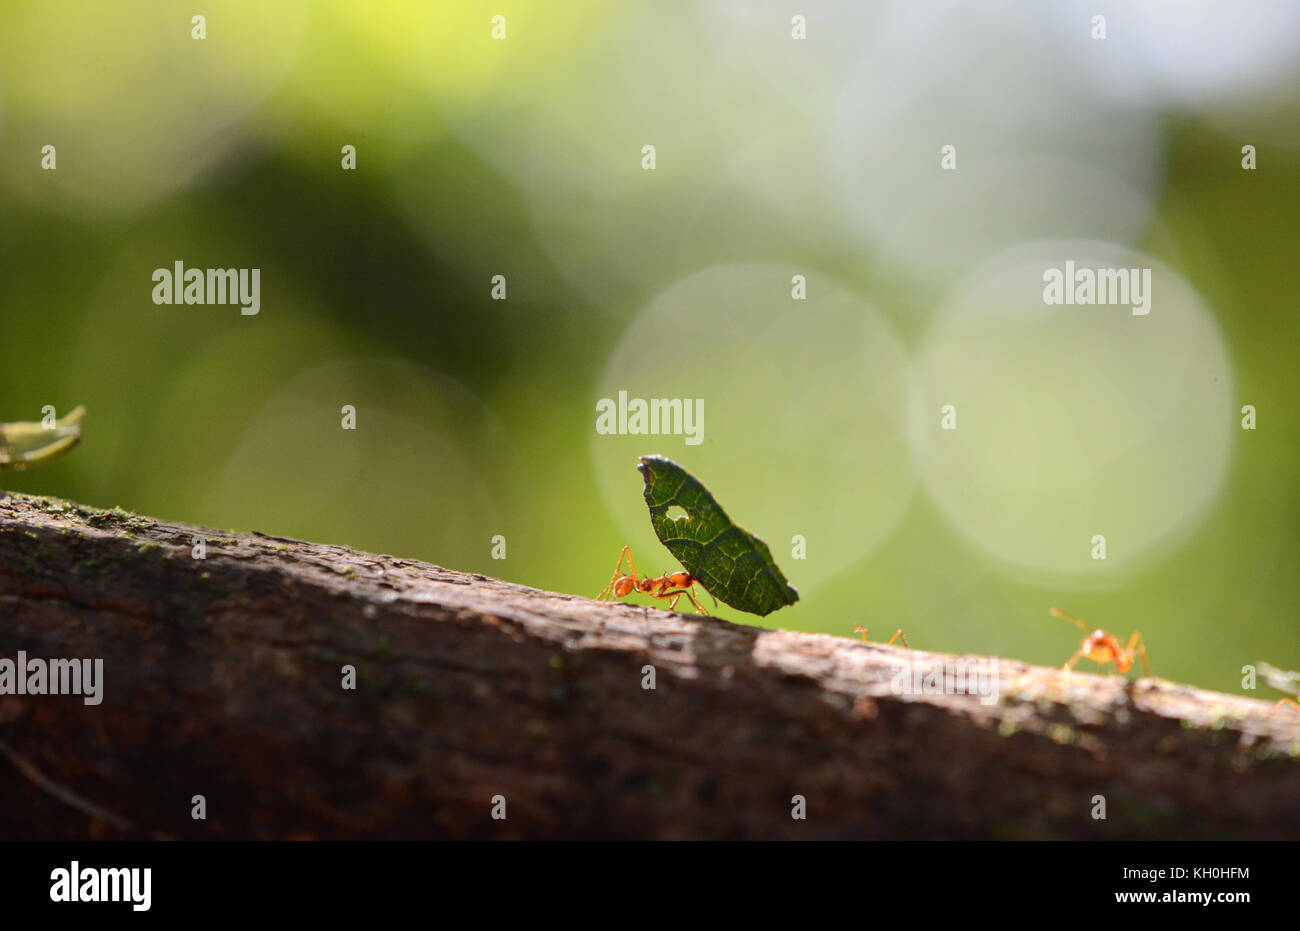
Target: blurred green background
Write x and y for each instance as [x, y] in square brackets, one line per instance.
[776, 157]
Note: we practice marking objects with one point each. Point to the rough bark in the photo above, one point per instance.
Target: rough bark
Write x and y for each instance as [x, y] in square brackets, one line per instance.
[223, 679]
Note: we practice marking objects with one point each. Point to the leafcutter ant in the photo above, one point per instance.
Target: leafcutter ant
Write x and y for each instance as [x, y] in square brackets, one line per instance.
[669, 585]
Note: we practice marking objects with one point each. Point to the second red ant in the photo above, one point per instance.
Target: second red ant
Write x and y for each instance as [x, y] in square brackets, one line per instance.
[1103, 648]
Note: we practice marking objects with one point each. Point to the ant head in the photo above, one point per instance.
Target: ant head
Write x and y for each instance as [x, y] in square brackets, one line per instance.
[680, 579]
[1095, 642]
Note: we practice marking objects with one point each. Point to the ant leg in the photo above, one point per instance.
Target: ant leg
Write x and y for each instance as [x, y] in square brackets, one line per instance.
[692, 587]
[631, 562]
[1069, 663]
[626, 554]
[664, 594]
[1135, 644]
[898, 634]
[698, 606]
[614, 578]
[1286, 701]
[676, 594]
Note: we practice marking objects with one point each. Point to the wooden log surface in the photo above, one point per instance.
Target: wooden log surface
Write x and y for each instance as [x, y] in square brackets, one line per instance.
[223, 677]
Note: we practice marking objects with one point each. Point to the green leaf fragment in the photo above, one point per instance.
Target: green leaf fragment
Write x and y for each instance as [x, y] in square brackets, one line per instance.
[731, 563]
[31, 443]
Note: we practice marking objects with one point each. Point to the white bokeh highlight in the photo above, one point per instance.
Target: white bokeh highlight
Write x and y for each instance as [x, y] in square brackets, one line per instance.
[1072, 420]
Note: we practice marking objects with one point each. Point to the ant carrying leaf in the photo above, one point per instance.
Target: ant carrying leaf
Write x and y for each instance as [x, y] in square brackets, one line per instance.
[723, 558]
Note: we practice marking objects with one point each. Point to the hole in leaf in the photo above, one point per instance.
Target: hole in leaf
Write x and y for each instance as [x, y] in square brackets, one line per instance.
[677, 512]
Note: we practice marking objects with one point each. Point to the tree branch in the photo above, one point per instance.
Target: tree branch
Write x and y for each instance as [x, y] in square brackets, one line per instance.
[223, 678]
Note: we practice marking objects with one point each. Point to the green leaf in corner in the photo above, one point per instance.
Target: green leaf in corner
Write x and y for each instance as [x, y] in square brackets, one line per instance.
[31, 443]
[731, 563]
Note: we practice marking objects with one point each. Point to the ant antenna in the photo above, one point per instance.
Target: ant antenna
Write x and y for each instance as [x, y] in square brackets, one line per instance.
[1077, 622]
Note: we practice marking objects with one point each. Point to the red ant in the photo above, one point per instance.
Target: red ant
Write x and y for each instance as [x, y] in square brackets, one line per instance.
[669, 585]
[898, 634]
[1102, 648]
